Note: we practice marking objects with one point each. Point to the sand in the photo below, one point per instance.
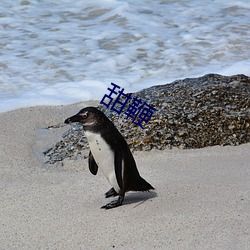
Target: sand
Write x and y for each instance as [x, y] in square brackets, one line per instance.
[201, 198]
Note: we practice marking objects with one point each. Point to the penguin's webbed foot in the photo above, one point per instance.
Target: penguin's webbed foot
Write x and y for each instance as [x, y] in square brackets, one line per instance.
[111, 193]
[113, 204]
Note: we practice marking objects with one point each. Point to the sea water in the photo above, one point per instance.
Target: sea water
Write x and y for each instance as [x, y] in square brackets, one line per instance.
[61, 52]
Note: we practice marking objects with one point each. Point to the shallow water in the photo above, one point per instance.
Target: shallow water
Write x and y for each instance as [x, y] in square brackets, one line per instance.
[63, 52]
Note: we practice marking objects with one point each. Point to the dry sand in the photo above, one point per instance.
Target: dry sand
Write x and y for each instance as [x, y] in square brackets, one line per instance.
[201, 201]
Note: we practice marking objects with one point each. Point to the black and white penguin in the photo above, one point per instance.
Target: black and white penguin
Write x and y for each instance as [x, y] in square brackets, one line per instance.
[110, 152]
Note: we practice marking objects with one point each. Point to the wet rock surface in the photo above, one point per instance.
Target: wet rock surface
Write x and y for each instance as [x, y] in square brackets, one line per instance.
[190, 113]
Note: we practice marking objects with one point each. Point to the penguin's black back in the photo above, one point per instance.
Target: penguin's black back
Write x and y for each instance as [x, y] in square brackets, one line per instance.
[132, 180]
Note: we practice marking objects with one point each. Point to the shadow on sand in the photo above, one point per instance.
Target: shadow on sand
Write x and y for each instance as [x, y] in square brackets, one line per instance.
[138, 198]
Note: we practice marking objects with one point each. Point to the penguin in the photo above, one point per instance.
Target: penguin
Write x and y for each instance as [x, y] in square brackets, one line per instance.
[110, 152]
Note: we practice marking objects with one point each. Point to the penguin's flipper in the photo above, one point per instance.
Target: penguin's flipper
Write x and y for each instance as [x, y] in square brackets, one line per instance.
[111, 193]
[93, 167]
[118, 166]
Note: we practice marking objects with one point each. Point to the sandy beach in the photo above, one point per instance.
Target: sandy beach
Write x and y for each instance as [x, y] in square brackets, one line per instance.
[201, 198]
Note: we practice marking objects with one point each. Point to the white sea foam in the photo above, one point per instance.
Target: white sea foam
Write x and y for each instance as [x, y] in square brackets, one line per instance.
[60, 52]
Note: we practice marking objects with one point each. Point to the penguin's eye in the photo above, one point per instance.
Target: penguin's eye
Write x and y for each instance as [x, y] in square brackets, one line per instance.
[84, 115]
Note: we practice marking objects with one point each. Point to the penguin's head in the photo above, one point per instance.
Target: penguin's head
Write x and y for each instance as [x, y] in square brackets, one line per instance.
[88, 117]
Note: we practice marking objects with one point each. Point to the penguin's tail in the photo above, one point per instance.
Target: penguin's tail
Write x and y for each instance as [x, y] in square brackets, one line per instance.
[141, 185]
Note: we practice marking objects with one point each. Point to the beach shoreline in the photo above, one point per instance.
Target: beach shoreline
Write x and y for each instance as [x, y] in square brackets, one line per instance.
[201, 199]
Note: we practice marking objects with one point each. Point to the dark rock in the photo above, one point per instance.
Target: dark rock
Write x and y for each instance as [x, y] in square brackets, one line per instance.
[191, 113]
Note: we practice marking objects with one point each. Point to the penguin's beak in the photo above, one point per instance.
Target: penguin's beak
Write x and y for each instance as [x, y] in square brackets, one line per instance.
[74, 118]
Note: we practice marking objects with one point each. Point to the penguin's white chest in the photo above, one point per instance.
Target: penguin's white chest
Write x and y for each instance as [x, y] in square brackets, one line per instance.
[104, 157]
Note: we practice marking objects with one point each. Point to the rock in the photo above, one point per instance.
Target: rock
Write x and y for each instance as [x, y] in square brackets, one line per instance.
[191, 113]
